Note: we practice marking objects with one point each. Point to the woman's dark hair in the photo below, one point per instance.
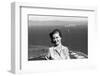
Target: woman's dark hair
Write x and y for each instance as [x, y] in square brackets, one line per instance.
[55, 31]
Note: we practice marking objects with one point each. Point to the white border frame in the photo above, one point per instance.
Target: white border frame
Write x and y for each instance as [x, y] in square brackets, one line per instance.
[16, 53]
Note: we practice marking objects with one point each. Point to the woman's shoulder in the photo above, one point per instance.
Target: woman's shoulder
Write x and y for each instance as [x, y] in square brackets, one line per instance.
[51, 48]
[64, 47]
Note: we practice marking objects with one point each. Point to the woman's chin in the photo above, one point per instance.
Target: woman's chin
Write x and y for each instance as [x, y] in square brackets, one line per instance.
[57, 44]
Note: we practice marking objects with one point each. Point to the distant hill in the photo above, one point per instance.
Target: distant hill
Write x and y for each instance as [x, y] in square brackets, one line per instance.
[37, 51]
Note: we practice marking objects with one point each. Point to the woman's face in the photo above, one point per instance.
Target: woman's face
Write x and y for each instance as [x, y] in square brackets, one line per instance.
[56, 39]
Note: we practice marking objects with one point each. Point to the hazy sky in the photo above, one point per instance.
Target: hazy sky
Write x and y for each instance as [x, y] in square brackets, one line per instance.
[56, 20]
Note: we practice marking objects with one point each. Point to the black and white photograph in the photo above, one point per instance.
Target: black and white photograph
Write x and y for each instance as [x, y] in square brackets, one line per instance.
[47, 38]
[55, 37]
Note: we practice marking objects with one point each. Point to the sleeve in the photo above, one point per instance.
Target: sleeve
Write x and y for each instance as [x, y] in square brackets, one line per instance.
[67, 53]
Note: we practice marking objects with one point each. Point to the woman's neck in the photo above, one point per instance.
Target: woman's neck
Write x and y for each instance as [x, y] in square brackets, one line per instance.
[58, 45]
[58, 48]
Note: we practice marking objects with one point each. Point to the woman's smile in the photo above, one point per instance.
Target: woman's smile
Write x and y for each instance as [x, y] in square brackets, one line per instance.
[56, 39]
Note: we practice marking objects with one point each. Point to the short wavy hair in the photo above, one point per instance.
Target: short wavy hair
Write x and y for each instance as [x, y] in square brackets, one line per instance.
[55, 31]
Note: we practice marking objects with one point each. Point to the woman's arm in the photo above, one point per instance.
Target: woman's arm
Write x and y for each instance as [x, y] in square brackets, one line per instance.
[67, 53]
[48, 55]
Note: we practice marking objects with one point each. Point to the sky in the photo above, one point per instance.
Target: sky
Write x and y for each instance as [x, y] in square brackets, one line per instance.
[39, 20]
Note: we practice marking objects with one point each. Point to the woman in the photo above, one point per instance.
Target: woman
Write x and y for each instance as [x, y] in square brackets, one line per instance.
[58, 51]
